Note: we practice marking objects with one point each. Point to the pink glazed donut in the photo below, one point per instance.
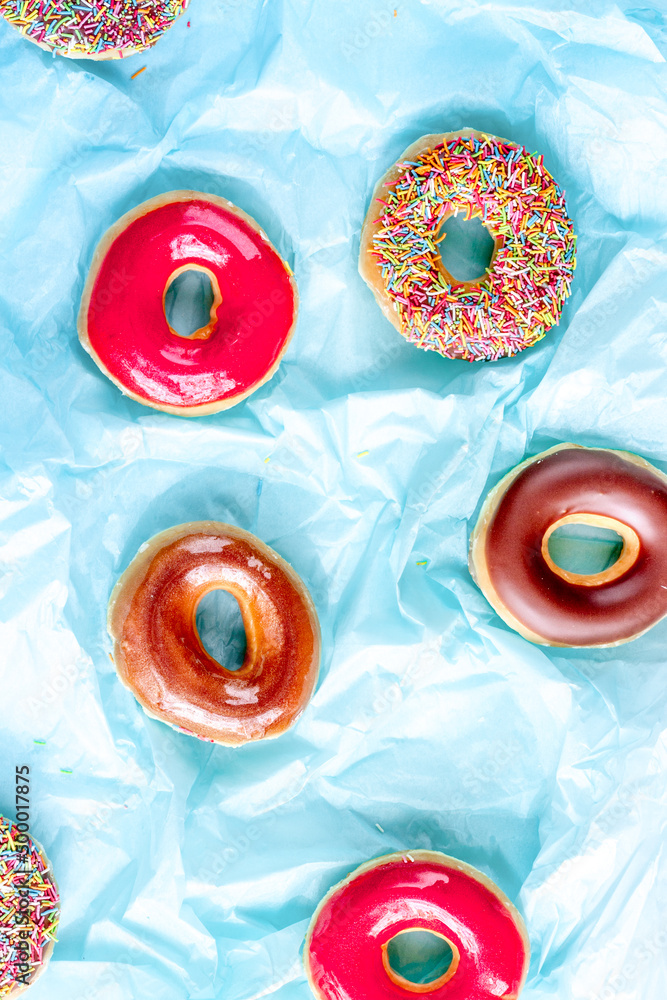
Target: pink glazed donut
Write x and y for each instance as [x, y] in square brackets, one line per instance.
[122, 321]
[346, 946]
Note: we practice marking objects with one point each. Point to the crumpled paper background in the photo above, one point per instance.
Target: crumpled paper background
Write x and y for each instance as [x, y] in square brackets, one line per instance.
[191, 871]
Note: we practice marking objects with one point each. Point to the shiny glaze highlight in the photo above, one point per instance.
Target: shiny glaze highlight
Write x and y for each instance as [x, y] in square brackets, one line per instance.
[158, 653]
[123, 324]
[569, 483]
[346, 942]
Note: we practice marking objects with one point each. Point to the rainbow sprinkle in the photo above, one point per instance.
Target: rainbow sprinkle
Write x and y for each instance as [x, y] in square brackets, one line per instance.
[522, 295]
[29, 908]
[103, 28]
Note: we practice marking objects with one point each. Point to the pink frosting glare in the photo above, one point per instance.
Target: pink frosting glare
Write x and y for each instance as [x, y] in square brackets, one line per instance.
[126, 323]
[345, 951]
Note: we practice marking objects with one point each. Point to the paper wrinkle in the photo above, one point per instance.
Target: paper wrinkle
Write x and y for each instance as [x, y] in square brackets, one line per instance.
[191, 871]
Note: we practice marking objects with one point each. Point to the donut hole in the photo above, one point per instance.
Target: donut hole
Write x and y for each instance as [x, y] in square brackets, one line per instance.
[585, 549]
[221, 629]
[191, 300]
[466, 248]
[420, 959]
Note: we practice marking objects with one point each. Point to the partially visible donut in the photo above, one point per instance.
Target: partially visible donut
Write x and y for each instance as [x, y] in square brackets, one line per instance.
[509, 547]
[92, 29]
[122, 320]
[29, 908]
[520, 297]
[158, 653]
[346, 951]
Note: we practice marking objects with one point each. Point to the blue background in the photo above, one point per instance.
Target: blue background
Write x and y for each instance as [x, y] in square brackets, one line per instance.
[191, 871]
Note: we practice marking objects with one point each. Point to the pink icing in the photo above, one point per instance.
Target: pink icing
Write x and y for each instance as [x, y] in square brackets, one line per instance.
[126, 322]
[345, 954]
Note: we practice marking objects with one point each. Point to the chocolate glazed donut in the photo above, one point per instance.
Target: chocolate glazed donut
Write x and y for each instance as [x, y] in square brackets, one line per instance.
[158, 652]
[509, 553]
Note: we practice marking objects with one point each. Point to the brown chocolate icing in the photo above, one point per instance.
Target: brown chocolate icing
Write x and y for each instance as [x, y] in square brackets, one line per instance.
[158, 652]
[580, 481]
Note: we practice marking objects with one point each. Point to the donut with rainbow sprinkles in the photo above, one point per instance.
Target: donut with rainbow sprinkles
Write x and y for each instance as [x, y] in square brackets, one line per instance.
[29, 907]
[520, 296]
[92, 29]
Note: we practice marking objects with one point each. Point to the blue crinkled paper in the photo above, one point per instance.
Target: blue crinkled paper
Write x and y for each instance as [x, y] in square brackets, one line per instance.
[191, 871]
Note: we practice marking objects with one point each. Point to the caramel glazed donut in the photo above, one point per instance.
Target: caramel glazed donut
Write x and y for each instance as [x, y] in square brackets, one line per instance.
[346, 951]
[92, 29]
[570, 484]
[158, 653]
[521, 295]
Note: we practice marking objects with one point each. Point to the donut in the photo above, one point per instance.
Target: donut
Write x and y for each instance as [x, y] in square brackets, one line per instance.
[29, 908]
[122, 320]
[570, 484]
[92, 29]
[158, 653]
[521, 295]
[346, 952]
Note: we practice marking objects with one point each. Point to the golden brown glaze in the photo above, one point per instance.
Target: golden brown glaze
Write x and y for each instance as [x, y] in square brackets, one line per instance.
[158, 652]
